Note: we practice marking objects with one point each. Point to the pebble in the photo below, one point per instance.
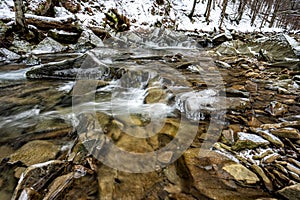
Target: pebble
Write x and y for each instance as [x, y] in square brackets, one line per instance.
[165, 157]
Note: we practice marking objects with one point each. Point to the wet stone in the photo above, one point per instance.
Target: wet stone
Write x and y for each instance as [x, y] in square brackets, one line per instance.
[34, 152]
[29, 193]
[36, 175]
[165, 157]
[293, 168]
[155, 95]
[208, 171]
[58, 186]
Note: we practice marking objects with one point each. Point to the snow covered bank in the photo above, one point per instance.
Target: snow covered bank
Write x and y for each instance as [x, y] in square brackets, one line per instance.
[147, 13]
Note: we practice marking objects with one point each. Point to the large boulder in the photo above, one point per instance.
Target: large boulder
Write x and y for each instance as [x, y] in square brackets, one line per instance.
[276, 48]
[291, 192]
[7, 55]
[48, 45]
[63, 36]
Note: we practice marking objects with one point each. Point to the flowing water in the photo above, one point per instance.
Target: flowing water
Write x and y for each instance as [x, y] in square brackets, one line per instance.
[141, 99]
[138, 87]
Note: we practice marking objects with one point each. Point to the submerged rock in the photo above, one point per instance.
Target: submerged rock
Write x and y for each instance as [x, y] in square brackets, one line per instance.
[198, 105]
[35, 152]
[155, 95]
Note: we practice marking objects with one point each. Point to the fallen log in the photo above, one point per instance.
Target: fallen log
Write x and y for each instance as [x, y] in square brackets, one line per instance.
[67, 23]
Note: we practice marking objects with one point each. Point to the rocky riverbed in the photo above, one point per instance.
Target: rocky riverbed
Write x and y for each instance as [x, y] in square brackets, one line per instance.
[229, 103]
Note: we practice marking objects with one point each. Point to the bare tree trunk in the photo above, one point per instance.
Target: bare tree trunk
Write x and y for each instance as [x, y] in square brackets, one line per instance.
[193, 10]
[277, 5]
[207, 11]
[224, 5]
[20, 17]
[255, 12]
[266, 14]
[240, 10]
[253, 6]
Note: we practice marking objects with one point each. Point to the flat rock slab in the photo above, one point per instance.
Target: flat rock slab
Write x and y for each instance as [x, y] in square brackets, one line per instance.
[212, 182]
[34, 152]
[291, 192]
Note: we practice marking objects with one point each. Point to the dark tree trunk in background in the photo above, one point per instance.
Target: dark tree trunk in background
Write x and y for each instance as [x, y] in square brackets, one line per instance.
[224, 5]
[240, 10]
[207, 11]
[255, 12]
[274, 15]
[20, 17]
[253, 5]
[266, 12]
[193, 10]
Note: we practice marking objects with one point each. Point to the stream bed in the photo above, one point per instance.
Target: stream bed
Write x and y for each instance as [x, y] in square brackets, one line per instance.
[149, 122]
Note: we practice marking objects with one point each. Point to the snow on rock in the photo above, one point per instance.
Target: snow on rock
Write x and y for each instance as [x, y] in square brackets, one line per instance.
[88, 38]
[293, 43]
[61, 12]
[248, 141]
[48, 45]
[39, 7]
[8, 55]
